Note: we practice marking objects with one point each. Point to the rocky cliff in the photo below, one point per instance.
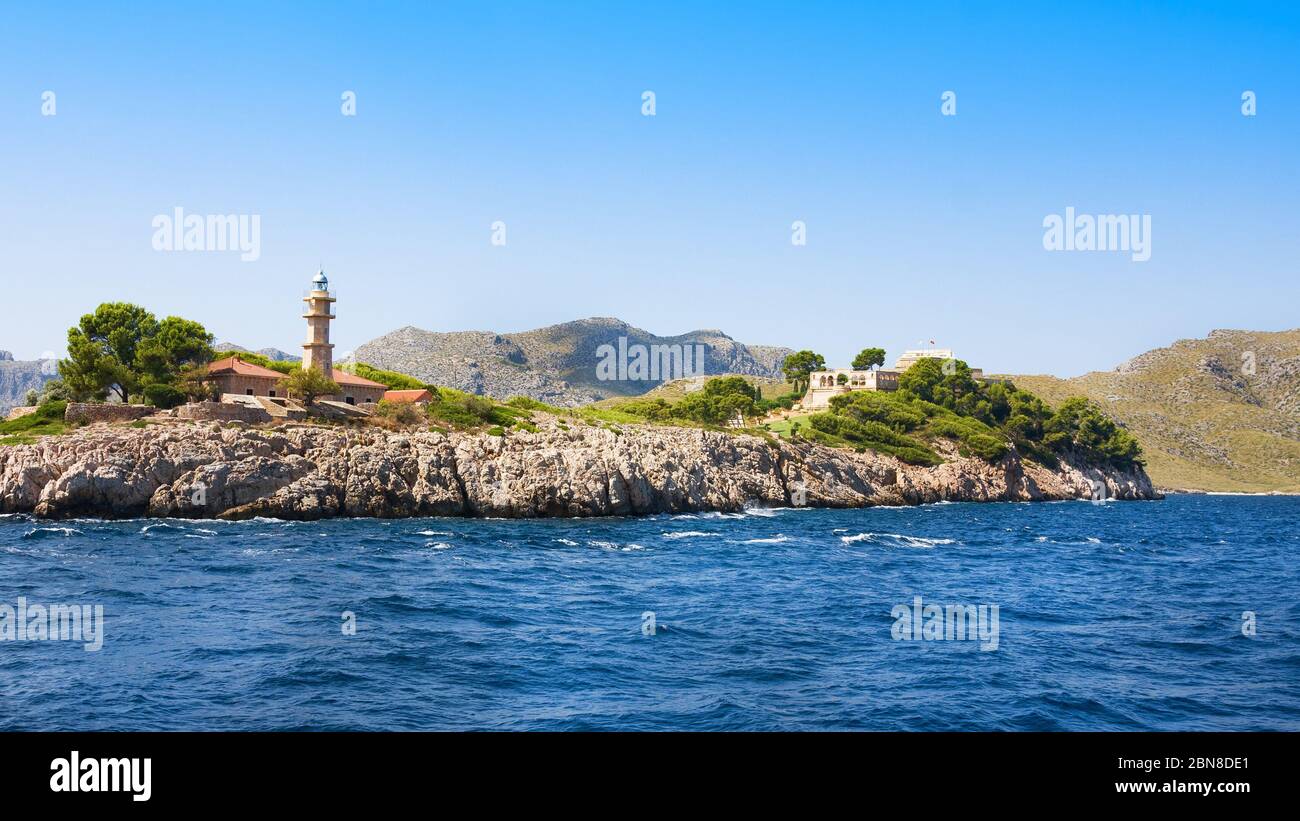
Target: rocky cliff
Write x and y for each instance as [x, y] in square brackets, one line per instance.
[17, 377]
[556, 364]
[566, 468]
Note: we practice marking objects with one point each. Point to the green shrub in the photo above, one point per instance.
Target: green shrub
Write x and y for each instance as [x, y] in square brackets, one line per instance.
[393, 380]
[401, 413]
[977, 437]
[874, 436]
[1081, 427]
[530, 404]
[888, 409]
[163, 396]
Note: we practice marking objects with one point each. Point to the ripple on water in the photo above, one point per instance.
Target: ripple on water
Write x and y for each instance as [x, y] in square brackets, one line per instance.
[1117, 618]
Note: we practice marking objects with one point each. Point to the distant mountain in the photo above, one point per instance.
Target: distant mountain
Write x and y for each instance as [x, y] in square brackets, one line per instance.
[17, 377]
[559, 364]
[273, 354]
[1214, 414]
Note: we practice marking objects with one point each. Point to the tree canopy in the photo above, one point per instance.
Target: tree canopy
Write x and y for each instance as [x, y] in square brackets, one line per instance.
[122, 349]
[799, 365]
[308, 384]
[869, 357]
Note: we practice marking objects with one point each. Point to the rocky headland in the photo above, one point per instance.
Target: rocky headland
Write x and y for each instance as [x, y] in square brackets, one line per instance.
[567, 468]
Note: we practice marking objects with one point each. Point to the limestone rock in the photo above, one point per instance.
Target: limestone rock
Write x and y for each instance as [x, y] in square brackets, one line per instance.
[177, 468]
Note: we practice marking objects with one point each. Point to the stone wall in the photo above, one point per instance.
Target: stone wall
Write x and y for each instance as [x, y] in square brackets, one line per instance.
[248, 385]
[89, 413]
[222, 412]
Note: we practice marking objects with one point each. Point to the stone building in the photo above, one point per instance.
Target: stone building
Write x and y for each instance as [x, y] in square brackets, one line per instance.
[822, 385]
[234, 376]
[909, 358]
[318, 351]
[356, 390]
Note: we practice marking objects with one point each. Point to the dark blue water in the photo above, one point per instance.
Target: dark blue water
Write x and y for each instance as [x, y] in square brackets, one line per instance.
[1117, 616]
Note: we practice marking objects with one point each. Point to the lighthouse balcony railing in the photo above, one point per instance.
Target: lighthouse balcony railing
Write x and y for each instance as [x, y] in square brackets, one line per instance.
[331, 295]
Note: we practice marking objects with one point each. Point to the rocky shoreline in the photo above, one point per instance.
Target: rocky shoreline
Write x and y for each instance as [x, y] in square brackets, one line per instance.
[567, 468]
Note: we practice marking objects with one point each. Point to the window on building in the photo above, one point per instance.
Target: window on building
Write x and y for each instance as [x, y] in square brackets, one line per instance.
[248, 392]
[349, 400]
[272, 393]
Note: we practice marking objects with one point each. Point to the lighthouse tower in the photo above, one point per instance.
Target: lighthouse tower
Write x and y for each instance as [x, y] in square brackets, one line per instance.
[317, 352]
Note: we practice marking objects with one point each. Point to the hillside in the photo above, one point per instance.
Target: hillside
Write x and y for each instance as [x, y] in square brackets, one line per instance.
[17, 377]
[1205, 420]
[555, 364]
[677, 389]
[273, 354]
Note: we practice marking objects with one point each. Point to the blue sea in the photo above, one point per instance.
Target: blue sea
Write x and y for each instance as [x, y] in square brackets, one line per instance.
[1116, 616]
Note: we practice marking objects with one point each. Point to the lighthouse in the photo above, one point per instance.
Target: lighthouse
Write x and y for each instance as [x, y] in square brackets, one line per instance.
[317, 351]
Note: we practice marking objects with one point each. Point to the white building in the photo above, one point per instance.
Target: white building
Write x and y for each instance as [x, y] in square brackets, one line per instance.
[822, 385]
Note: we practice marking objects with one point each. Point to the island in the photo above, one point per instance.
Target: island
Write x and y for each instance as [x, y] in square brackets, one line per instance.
[194, 432]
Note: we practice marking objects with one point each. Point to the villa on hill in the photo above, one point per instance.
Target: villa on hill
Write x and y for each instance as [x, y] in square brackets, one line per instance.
[237, 379]
[822, 385]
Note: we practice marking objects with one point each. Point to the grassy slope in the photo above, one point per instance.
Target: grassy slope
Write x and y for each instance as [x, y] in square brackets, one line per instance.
[1203, 424]
[46, 421]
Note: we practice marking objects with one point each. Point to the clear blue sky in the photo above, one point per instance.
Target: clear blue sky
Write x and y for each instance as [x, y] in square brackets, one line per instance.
[919, 226]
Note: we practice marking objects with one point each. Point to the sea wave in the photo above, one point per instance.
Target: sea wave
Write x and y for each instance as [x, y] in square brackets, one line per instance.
[895, 540]
[606, 545]
[149, 528]
[52, 532]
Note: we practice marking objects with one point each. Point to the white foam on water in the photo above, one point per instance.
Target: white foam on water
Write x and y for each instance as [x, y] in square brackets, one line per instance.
[777, 539]
[895, 540]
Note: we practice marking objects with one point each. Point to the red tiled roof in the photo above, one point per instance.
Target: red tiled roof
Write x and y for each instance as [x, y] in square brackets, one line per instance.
[418, 395]
[345, 378]
[235, 365]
